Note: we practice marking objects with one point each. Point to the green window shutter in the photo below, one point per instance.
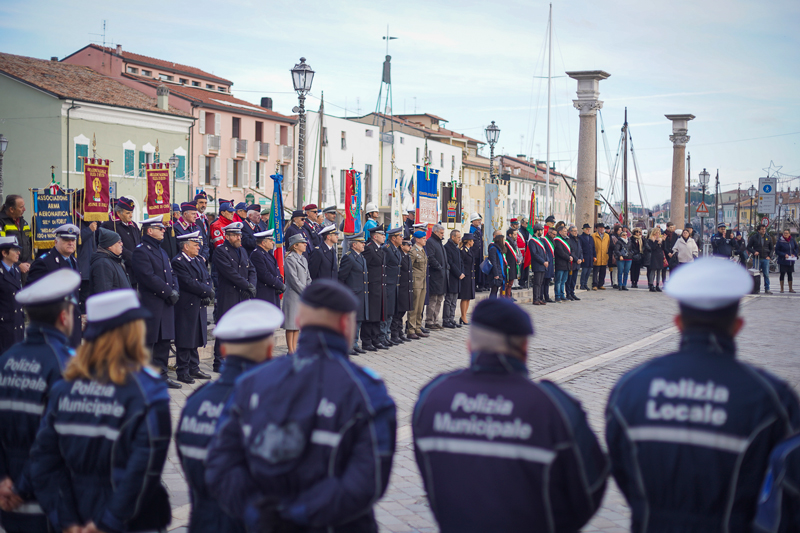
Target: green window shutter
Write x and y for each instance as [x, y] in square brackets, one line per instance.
[181, 170]
[80, 150]
[142, 162]
[129, 168]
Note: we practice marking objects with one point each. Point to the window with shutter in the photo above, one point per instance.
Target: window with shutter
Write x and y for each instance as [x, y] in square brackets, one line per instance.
[202, 122]
[217, 168]
[180, 172]
[263, 170]
[81, 150]
[129, 163]
[142, 162]
[230, 172]
[201, 170]
[277, 134]
[217, 124]
[245, 181]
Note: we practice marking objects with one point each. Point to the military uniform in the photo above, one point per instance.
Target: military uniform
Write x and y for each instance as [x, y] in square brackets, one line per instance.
[236, 276]
[376, 294]
[269, 283]
[405, 295]
[353, 273]
[392, 259]
[12, 318]
[323, 262]
[156, 284]
[419, 265]
[191, 316]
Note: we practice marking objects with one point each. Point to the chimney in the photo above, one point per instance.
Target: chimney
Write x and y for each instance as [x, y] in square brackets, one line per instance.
[119, 49]
[266, 102]
[163, 97]
[54, 59]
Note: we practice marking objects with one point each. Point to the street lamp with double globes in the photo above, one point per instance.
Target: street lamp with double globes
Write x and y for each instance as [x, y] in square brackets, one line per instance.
[302, 76]
[3, 146]
[752, 192]
[492, 134]
[704, 177]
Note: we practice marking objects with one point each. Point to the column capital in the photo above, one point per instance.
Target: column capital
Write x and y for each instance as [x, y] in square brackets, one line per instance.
[587, 108]
[679, 139]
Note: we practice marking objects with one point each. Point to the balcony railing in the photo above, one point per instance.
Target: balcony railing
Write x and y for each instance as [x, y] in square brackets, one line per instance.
[212, 143]
[387, 138]
[239, 146]
[262, 149]
[288, 153]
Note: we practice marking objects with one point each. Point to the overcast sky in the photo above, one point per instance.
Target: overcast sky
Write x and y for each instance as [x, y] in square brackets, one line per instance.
[734, 64]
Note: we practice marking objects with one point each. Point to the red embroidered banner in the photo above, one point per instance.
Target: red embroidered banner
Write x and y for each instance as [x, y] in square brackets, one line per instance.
[159, 201]
[96, 197]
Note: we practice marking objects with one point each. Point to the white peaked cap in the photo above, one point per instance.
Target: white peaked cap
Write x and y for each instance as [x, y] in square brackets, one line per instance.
[56, 286]
[709, 283]
[474, 216]
[112, 309]
[249, 321]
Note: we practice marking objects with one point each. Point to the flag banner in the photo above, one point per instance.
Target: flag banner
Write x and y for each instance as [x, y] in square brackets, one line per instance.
[451, 203]
[276, 219]
[96, 199]
[49, 212]
[352, 202]
[397, 203]
[532, 212]
[159, 201]
[427, 195]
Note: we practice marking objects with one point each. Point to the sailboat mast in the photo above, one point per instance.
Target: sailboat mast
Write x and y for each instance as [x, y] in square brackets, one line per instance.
[549, 80]
[321, 192]
[625, 170]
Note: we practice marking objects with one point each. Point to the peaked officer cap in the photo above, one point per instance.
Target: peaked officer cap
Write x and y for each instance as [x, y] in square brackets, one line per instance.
[67, 231]
[330, 295]
[264, 234]
[709, 284]
[357, 237]
[298, 213]
[241, 206]
[9, 242]
[193, 236]
[329, 209]
[54, 287]
[327, 229]
[249, 321]
[502, 316]
[156, 221]
[234, 227]
[394, 231]
[110, 310]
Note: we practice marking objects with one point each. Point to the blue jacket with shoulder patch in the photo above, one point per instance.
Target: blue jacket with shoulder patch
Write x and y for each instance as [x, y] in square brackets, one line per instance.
[307, 439]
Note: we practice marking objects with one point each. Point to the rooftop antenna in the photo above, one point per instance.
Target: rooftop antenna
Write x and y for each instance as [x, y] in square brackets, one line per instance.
[386, 80]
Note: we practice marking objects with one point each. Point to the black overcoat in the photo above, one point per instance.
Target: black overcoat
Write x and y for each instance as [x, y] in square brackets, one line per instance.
[353, 273]
[437, 266]
[376, 274]
[392, 258]
[131, 236]
[108, 272]
[269, 282]
[235, 272]
[248, 236]
[12, 318]
[86, 248]
[323, 264]
[156, 282]
[454, 268]
[467, 287]
[50, 262]
[405, 286]
[191, 318]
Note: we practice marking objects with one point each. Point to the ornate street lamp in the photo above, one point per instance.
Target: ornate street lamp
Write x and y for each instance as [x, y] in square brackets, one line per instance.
[492, 134]
[302, 76]
[214, 181]
[3, 146]
[704, 177]
[752, 192]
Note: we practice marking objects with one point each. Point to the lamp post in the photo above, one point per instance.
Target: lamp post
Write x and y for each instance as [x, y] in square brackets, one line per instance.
[302, 76]
[173, 166]
[492, 134]
[3, 146]
[780, 204]
[752, 192]
[704, 177]
[214, 181]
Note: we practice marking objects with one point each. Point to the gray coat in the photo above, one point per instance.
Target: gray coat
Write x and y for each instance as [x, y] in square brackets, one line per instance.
[295, 268]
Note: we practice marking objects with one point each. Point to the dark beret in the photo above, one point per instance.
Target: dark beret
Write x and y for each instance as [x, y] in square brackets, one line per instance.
[503, 316]
[330, 295]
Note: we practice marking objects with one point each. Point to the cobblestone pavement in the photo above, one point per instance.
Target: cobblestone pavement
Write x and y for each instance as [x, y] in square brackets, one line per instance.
[584, 346]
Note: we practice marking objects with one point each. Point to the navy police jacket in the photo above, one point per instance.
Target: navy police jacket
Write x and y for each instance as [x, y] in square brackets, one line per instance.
[28, 371]
[269, 282]
[51, 261]
[100, 452]
[312, 433]
[156, 282]
[191, 318]
[323, 263]
[196, 428]
[235, 272]
[690, 433]
[498, 452]
[12, 317]
[779, 504]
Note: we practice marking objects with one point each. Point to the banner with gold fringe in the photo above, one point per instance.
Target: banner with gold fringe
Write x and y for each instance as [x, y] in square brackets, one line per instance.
[96, 182]
[159, 201]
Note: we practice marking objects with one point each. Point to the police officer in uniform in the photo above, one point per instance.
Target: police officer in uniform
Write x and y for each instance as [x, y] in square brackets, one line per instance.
[12, 319]
[499, 452]
[392, 259]
[405, 293]
[323, 262]
[353, 273]
[191, 316]
[330, 216]
[419, 265]
[158, 290]
[720, 245]
[246, 332]
[101, 448]
[236, 278]
[269, 282]
[690, 433]
[475, 221]
[28, 371]
[376, 291]
[62, 255]
[306, 442]
[779, 504]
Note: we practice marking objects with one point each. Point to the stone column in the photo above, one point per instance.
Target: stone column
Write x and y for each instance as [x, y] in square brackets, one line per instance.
[587, 105]
[679, 138]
